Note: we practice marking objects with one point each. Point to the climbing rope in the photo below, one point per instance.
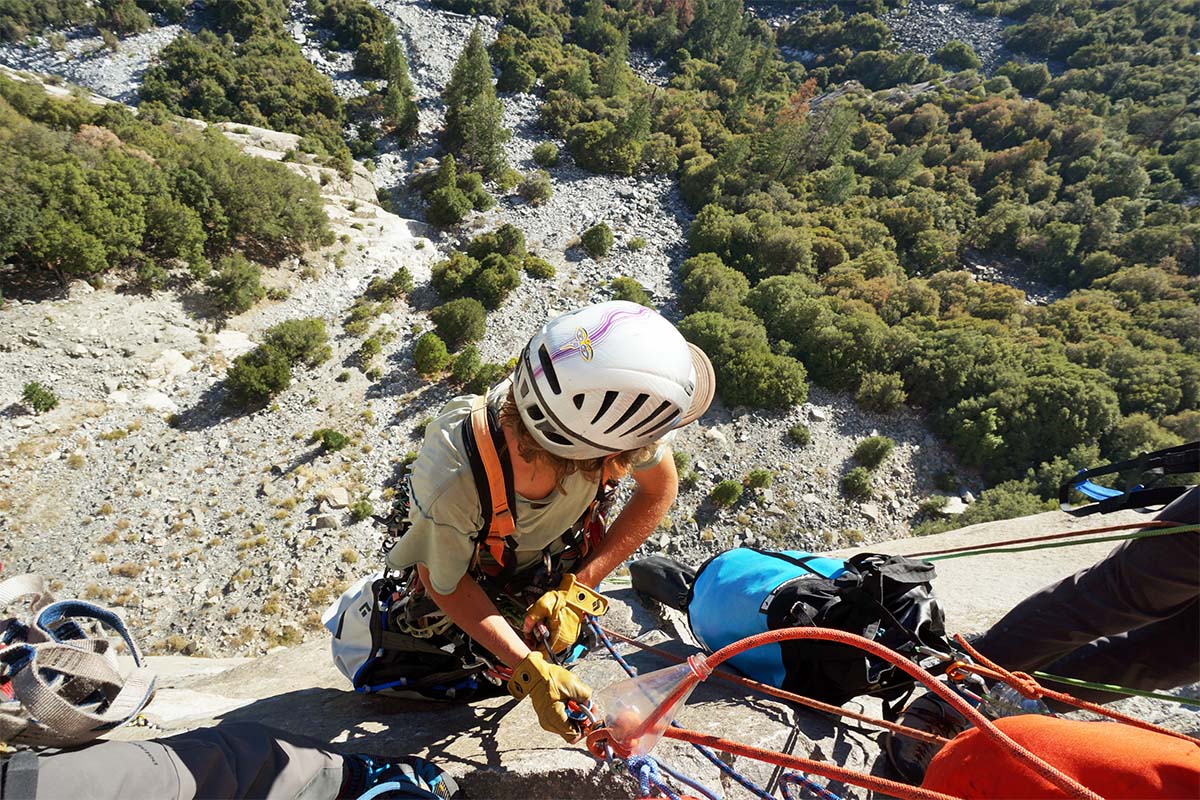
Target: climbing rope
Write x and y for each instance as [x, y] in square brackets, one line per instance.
[1114, 689]
[602, 635]
[791, 697]
[1030, 688]
[645, 769]
[1139, 530]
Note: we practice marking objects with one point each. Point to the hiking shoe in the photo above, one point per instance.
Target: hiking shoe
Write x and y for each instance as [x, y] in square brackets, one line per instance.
[406, 778]
[929, 713]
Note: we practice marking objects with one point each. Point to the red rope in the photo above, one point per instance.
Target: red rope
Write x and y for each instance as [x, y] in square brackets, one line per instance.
[876, 784]
[1027, 686]
[791, 697]
[1049, 537]
[1064, 783]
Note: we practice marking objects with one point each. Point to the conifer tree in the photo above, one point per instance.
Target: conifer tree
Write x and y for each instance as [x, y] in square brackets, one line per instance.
[398, 105]
[614, 72]
[474, 115]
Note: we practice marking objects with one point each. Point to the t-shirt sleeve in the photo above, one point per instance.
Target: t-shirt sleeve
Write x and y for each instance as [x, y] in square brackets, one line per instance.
[445, 551]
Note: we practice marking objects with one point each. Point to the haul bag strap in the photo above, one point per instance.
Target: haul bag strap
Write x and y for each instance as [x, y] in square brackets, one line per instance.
[490, 480]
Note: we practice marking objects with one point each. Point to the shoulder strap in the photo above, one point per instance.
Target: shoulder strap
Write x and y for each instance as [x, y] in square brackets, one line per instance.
[484, 443]
[1176, 460]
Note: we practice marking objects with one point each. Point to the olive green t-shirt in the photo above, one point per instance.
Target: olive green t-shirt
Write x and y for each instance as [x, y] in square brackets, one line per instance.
[445, 516]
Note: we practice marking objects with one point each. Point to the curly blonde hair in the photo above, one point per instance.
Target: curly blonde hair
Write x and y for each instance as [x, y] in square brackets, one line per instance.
[612, 467]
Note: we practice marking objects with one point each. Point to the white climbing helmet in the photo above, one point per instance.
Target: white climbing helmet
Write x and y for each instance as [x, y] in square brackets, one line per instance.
[609, 377]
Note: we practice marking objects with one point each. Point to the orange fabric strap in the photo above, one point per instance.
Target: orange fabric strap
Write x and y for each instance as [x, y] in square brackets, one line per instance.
[501, 525]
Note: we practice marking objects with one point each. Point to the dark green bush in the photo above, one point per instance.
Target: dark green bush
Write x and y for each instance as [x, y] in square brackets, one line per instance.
[486, 377]
[759, 478]
[360, 510]
[856, 484]
[300, 340]
[460, 321]
[330, 439]
[545, 154]
[725, 493]
[256, 376]
[597, 240]
[465, 365]
[537, 267]
[628, 289]
[236, 285]
[799, 434]
[446, 206]
[872, 451]
[429, 355]
[38, 397]
[881, 392]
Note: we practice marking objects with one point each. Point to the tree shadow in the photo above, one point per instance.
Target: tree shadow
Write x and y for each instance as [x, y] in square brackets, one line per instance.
[211, 410]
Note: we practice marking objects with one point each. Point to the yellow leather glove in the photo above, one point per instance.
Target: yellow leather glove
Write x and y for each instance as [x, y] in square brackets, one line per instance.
[549, 687]
[562, 611]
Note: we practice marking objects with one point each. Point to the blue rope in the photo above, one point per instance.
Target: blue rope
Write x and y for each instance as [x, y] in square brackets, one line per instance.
[806, 782]
[716, 760]
[645, 769]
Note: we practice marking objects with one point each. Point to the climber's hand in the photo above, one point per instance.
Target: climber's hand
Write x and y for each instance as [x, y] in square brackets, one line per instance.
[562, 611]
[549, 687]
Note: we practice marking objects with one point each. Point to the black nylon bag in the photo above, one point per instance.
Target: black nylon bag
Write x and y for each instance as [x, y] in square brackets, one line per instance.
[887, 599]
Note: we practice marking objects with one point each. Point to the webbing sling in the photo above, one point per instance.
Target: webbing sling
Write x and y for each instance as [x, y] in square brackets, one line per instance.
[484, 442]
[1177, 460]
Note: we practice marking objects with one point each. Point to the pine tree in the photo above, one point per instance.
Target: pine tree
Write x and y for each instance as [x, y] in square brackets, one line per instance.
[614, 72]
[398, 105]
[474, 115]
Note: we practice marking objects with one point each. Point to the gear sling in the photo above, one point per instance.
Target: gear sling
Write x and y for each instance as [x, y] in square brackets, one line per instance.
[389, 635]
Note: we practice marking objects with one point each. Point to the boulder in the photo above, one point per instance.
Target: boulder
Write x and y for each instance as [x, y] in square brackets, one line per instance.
[158, 402]
[337, 497]
[326, 521]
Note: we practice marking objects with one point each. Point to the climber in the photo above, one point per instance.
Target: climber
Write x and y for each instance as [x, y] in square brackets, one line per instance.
[1131, 619]
[595, 396]
[232, 760]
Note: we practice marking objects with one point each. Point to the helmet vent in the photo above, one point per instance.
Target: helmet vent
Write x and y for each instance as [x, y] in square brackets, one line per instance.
[555, 436]
[609, 398]
[578, 401]
[670, 419]
[548, 369]
[535, 413]
[644, 421]
[629, 412]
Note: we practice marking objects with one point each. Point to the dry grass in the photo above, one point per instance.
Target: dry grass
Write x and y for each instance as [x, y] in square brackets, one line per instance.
[127, 570]
[104, 510]
[108, 538]
[99, 558]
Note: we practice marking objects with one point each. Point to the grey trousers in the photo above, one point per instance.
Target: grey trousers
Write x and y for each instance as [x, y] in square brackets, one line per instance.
[232, 760]
[1132, 619]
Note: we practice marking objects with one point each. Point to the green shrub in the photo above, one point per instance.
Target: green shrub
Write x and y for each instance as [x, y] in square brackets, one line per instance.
[881, 392]
[725, 493]
[872, 451]
[537, 267]
[300, 340]
[597, 240]
[446, 206]
[682, 461]
[545, 154]
[1006, 500]
[535, 188]
[236, 285]
[393, 288]
[486, 377]
[38, 397]
[637, 243]
[856, 484]
[256, 376]
[330, 439]
[367, 351]
[429, 355]
[759, 478]
[628, 289]
[799, 434]
[958, 55]
[460, 321]
[360, 510]
[465, 365]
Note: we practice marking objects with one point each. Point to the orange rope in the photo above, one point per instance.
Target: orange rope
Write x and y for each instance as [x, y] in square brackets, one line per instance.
[791, 697]
[1064, 783]
[1027, 686]
[874, 783]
